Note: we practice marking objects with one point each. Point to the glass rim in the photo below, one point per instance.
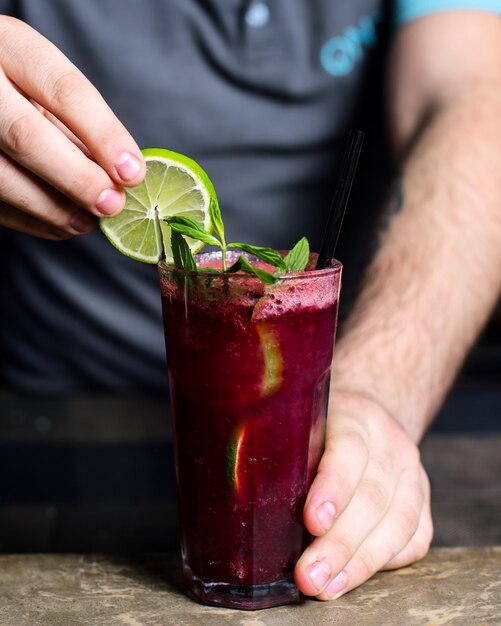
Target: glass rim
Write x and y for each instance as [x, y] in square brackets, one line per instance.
[334, 268]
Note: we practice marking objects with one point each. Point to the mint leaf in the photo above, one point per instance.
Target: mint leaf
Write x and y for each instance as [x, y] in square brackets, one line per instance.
[243, 265]
[181, 252]
[216, 218]
[265, 254]
[188, 227]
[298, 257]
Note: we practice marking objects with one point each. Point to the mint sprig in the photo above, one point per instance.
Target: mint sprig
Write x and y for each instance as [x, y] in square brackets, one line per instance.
[265, 254]
[244, 266]
[216, 219]
[182, 226]
[298, 257]
[181, 252]
[189, 228]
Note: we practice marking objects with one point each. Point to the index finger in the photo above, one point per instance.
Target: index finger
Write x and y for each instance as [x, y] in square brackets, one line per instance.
[57, 84]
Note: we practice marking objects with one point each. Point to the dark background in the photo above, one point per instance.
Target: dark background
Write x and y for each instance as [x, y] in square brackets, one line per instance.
[91, 472]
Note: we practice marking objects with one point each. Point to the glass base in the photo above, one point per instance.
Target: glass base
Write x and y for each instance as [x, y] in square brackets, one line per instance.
[247, 597]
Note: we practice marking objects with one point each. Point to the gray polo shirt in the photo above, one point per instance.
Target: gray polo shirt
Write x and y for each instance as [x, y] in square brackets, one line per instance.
[261, 93]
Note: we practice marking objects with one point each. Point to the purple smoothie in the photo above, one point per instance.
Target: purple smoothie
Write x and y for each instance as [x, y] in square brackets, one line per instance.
[249, 372]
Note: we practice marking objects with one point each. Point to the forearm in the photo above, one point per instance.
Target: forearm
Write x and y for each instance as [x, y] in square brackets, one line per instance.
[437, 274]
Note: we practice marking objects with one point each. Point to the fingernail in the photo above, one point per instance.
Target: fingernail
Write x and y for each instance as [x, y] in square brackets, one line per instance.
[319, 574]
[109, 201]
[337, 584]
[326, 513]
[127, 166]
[81, 223]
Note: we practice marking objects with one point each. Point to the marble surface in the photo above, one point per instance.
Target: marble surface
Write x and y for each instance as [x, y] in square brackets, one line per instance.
[456, 586]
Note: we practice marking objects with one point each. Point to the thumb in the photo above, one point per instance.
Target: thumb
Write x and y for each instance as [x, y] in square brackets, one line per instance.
[340, 470]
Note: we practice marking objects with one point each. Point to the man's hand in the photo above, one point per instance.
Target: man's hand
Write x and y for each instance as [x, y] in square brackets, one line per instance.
[427, 294]
[369, 506]
[63, 153]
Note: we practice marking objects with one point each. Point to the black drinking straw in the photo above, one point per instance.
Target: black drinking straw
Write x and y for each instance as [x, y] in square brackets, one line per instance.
[340, 199]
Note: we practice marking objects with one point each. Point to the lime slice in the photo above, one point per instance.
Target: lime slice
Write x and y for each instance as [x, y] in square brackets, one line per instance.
[173, 185]
[273, 362]
[233, 454]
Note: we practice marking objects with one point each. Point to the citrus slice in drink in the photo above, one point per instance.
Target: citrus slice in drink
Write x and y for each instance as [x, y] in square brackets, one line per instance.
[251, 469]
[272, 358]
[173, 185]
[234, 457]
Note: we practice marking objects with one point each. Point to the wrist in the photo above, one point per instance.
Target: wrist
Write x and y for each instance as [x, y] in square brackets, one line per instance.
[383, 388]
[355, 411]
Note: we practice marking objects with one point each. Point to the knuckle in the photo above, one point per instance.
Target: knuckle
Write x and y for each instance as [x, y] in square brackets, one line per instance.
[375, 494]
[54, 217]
[83, 189]
[383, 463]
[19, 135]
[350, 441]
[342, 489]
[62, 91]
[24, 201]
[409, 519]
[365, 564]
[340, 546]
[337, 485]
[356, 442]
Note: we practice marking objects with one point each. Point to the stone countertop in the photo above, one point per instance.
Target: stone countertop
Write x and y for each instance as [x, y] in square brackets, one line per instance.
[453, 585]
[456, 586]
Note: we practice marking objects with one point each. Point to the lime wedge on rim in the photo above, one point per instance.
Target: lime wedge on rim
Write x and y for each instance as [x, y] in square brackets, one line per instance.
[173, 185]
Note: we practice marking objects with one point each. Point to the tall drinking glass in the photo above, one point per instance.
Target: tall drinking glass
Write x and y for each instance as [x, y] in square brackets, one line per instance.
[249, 368]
